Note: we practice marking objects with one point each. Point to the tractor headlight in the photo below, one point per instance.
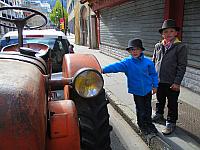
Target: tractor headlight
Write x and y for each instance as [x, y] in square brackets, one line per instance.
[88, 82]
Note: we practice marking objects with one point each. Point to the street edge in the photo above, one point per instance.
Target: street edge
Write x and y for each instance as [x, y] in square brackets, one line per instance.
[154, 142]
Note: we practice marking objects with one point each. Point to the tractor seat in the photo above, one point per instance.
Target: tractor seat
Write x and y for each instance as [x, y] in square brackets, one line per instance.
[31, 49]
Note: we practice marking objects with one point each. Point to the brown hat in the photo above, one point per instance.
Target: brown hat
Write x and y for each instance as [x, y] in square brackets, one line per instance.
[169, 23]
[135, 43]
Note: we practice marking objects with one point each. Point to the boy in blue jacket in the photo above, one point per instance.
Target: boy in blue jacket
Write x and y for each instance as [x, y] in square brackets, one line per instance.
[142, 82]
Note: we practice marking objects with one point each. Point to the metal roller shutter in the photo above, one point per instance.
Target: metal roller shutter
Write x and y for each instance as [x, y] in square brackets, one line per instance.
[191, 31]
[191, 36]
[138, 18]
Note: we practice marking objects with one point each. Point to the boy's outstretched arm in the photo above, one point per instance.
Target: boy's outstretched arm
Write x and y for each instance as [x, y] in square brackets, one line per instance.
[115, 67]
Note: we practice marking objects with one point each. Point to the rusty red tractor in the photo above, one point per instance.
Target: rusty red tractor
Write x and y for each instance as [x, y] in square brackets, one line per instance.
[32, 116]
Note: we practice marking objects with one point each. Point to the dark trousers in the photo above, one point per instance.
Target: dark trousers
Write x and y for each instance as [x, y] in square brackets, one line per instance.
[143, 109]
[164, 91]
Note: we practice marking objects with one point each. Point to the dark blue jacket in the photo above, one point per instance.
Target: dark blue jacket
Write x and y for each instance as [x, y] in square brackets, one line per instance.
[140, 72]
[170, 64]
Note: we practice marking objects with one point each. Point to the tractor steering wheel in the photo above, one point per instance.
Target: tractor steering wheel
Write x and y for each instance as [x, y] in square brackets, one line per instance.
[21, 22]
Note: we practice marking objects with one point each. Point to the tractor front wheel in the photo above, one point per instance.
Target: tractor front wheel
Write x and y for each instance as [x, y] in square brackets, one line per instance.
[94, 122]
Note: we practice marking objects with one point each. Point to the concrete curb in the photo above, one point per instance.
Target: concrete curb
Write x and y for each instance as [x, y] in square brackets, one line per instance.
[154, 142]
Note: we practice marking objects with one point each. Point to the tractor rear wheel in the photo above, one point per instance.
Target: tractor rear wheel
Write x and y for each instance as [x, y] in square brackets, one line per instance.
[94, 122]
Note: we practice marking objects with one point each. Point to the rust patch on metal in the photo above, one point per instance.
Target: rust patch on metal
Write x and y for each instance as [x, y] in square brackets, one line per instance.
[20, 115]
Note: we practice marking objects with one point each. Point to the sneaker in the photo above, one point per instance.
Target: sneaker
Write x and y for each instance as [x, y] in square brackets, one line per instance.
[152, 128]
[158, 118]
[169, 128]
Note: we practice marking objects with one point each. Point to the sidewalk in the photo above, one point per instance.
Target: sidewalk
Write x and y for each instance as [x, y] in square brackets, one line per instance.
[187, 135]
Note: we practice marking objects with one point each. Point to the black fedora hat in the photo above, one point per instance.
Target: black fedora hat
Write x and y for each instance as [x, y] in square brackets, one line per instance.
[135, 43]
[169, 23]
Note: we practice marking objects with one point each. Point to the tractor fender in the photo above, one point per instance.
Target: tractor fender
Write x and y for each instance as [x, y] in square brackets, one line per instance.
[64, 129]
[73, 62]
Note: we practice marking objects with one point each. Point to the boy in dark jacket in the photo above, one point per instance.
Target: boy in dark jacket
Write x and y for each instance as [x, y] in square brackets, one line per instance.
[142, 80]
[170, 58]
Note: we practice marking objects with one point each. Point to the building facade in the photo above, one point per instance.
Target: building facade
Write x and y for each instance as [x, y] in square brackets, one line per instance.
[82, 22]
[120, 20]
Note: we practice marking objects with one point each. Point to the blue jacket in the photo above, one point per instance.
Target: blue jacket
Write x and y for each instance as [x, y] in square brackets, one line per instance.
[140, 72]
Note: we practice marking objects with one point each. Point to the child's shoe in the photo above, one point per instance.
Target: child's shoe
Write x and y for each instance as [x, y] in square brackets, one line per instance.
[169, 128]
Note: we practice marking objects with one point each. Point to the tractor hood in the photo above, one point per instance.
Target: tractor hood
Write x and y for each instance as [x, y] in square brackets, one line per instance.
[22, 104]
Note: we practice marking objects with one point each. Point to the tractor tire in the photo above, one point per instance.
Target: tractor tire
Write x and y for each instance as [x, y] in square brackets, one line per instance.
[94, 122]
